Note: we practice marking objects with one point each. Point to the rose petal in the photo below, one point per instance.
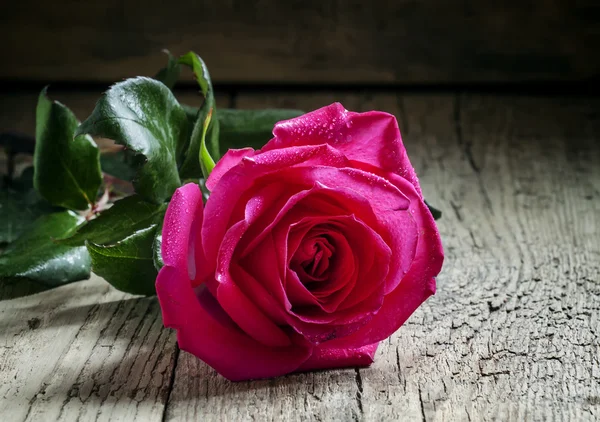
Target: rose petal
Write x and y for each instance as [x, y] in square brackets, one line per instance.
[249, 317]
[326, 358]
[416, 286]
[372, 137]
[318, 318]
[185, 206]
[298, 295]
[318, 327]
[265, 201]
[318, 200]
[198, 269]
[233, 300]
[264, 264]
[258, 294]
[389, 203]
[231, 159]
[227, 349]
[329, 294]
[235, 182]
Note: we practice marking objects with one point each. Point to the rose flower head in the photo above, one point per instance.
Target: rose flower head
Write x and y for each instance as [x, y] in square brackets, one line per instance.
[308, 252]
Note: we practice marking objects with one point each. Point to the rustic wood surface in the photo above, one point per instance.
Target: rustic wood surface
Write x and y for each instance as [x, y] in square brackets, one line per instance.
[512, 333]
[331, 41]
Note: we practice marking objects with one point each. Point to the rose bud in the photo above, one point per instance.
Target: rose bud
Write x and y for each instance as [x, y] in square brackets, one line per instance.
[308, 252]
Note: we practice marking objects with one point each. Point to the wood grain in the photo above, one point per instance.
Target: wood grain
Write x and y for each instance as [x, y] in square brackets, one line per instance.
[84, 352]
[330, 42]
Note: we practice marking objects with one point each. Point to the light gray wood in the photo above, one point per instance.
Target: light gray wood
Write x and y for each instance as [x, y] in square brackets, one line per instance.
[84, 351]
[512, 333]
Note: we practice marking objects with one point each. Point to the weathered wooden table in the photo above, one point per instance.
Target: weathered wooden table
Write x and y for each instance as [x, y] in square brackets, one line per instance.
[512, 333]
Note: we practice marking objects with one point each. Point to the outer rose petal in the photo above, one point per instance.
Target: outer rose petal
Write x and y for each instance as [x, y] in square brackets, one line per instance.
[372, 137]
[214, 339]
[231, 159]
[185, 205]
[326, 358]
[184, 215]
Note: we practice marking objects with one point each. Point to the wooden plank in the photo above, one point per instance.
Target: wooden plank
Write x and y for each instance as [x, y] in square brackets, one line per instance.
[266, 41]
[84, 351]
[512, 332]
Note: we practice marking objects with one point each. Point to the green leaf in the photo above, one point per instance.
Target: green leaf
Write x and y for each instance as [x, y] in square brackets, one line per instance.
[121, 243]
[20, 206]
[143, 115]
[191, 167]
[157, 248]
[123, 219]
[191, 112]
[207, 164]
[193, 61]
[67, 170]
[240, 128]
[437, 214]
[250, 128]
[169, 75]
[204, 190]
[35, 256]
[128, 264]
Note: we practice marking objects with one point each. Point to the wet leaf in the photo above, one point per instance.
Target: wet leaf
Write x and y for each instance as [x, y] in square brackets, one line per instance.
[35, 256]
[67, 168]
[142, 114]
[128, 264]
[191, 167]
[123, 219]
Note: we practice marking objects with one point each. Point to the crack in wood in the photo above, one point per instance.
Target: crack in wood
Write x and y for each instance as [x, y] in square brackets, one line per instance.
[467, 149]
[359, 392]
[171, 383]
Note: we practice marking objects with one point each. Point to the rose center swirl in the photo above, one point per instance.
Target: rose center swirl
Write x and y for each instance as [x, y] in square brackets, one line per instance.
[314, 257]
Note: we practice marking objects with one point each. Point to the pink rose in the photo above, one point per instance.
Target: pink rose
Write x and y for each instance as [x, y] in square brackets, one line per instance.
[308, 252]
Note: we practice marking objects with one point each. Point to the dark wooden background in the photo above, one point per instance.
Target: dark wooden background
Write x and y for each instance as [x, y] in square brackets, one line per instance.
[389, 42]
